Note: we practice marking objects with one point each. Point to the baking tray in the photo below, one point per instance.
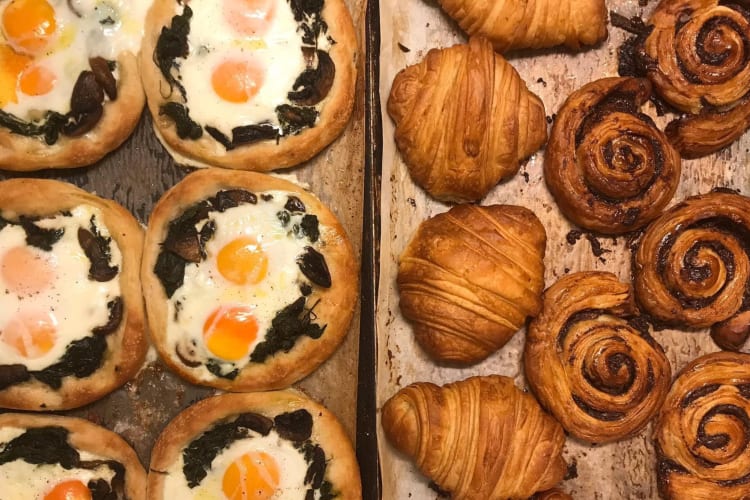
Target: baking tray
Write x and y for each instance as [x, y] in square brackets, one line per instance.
[137, 174]
[409, 28]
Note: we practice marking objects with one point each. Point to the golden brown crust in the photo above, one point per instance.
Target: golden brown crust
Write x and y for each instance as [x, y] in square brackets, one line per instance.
[464, 120]
[692, 266]
[128, 344]
[265, 155]
[697, 55]
[469, 278]
[703, 430]
[341, 466]
[335, 309]
[531, 24]
[553, 494]
[21, 153]
[591, 363]
[478, 438]
[86, 436]
[610, 169]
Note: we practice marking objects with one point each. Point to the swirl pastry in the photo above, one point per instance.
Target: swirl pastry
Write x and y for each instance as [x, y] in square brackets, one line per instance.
[531, 24]
[464, 120]
[610, 169]
[470, 277]
[703, 431]
[697, 57]
[692, 267]
[591, 362]
[478, 438]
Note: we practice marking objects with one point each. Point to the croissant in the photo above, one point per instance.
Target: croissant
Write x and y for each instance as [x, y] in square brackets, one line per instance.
[553, 494]
[610, 169]
[591, 361]
[470, 277]
[697, 54]
[464, 120]
[480, 438]
[703, 431]
[531, 24]
[692, 267]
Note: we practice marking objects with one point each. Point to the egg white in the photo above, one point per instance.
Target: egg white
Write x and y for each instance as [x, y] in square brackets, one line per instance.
[212, 40]
[76, 40]
[204, 288]
[79, 303]
[20, 480]
[290, 461]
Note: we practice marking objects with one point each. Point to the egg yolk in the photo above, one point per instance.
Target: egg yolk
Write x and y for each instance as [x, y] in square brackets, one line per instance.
[25, 271]
[29, 25]
[250, 18]
[31, 334]
[37, 80]
[69, 490]
[242, 261]
[12, 65]
[237, 81]
[253, 476]
[229, 331]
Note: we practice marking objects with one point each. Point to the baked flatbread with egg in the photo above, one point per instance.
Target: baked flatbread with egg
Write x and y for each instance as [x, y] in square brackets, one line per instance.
[250, 281]
[249, 84]
[257, 445]
[70, 86]
[71, 309]
[65, 458]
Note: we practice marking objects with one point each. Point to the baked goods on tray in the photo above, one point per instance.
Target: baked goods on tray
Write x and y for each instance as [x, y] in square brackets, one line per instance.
[610, 169]
[249, 85]
[703, 431]
[70, 87]
[257, 445]
[470, 277]
[478, 438]
[696, 54]
[590, 360]
[464, 120]
[692, 267]
[71, 318]
[531, 24]
[250, 281]
[65, 458]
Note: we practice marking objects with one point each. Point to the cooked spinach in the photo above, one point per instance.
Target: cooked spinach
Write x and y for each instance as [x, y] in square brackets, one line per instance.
[41, 445]
[199, 454]
[12, 375]
[170, 269]
[115, 308]
[295, 118]
[81, 358]
[309, 227]
[96, 248]
[248, 134]
[173, 44]
[50, 127]
[232, 198]
[294, 204]
[186, 127]
[218, 368]
[39, 237]
[290, 323]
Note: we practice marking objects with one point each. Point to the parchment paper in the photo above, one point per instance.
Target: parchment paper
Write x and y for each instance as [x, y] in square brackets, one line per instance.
[624, 470]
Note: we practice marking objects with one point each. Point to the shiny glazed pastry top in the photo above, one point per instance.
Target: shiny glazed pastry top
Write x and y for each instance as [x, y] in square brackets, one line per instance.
[590, 360]
[470, 277]
[477, 438]
[531, 24]
[464, 120]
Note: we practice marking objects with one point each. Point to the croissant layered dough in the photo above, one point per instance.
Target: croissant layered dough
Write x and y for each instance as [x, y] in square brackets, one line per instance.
[703, 431]
[591, 361]
[464, 120]
[531, 24]
[470, 277]
[698, 56]
[610, 169]
[692, 267]
[478, 438]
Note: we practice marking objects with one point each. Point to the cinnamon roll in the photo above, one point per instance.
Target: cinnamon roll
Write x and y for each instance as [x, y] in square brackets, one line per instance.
[480, 438]
[470, 277]
[464, 120]
[698, 57]
[590, 360]
[610, 169]
[692, 267]
[703, 431]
